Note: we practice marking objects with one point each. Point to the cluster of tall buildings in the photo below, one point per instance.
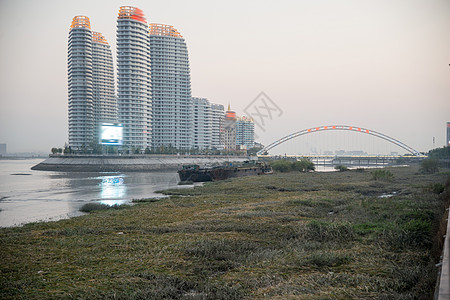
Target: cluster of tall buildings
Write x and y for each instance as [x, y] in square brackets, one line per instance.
[153, 103]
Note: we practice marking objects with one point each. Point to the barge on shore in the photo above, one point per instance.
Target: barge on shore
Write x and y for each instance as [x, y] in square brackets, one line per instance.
[196, 174]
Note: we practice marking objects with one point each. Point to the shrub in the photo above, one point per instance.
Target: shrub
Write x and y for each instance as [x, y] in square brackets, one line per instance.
[436, 188]
[281, 165]
[303, 165]
[341, 168]
[383, 175]
[429, 166]
[89, 207]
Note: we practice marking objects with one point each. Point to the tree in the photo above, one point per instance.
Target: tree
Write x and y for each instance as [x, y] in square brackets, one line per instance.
[440, 153]
[281, 165]
[54, 150]
[303, 165]
[429, 166]
[68, 150]
[253, 151]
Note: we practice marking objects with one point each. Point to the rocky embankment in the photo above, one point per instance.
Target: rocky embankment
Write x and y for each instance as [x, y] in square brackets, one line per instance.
[128, 163]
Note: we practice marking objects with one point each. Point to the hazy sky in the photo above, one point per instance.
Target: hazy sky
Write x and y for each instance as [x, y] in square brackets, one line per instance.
[379, 64]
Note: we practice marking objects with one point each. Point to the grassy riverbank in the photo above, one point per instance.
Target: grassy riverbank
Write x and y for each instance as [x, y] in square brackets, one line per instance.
[305, 235]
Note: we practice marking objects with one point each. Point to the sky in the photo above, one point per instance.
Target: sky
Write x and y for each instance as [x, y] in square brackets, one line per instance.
[377, 64]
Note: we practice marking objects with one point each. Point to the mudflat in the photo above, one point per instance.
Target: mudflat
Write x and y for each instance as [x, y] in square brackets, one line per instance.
[287, 235]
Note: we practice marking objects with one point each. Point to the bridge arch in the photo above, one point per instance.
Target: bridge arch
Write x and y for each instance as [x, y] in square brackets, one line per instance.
[338, 127]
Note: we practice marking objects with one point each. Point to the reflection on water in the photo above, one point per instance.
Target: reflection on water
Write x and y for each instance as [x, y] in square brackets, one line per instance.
[56, 195]
[114, 202]
[112, 187]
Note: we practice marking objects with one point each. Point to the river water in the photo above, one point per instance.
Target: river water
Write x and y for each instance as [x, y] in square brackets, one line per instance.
[30, 196]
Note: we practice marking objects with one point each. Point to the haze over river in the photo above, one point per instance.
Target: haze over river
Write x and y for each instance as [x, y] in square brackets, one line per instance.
[29, 196]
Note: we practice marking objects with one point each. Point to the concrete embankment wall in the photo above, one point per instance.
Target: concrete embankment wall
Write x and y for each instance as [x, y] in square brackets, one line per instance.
[443, 293]
[132, 163]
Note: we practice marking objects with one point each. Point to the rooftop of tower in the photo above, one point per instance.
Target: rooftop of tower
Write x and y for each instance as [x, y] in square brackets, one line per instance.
[130, 12]
[97, 37]
[163, 30]
[80, 22]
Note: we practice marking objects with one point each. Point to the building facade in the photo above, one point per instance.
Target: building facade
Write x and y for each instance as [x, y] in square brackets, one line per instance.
[80, 84]
[105, 102]
[448, 134]
[202, 127]
[171, 88]
[229, 130]
[133, 73]
[3, 150]
[217, 123]
[245, 132]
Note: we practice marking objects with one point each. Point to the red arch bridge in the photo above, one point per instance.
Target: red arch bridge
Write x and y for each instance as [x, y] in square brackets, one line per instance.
[361, 130]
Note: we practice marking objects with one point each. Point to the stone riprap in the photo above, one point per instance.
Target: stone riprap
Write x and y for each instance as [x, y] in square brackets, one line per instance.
[131, 163]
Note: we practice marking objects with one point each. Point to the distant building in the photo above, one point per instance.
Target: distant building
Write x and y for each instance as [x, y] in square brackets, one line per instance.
[229, 130]
[217, 123]
[133, 73]
[3, 149]
[245, 132]
[448, 133]
[171, 88]
[202, 129]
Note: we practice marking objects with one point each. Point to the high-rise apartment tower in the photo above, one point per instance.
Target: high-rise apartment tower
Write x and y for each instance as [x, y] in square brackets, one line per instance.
[133, 72]
[105, 104]
[171, 88]
[245, 132]
[81, 102]
[217, 122]
[202, 118]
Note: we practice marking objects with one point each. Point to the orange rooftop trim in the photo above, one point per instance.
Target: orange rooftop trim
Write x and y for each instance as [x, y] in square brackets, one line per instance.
[163, 30]
[97, 37]
[130, 12]
[80, 22]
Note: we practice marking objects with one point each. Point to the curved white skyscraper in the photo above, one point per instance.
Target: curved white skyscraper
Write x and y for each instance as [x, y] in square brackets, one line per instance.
[105, 103]
[81, 103]
[133, 71]
[171, 88]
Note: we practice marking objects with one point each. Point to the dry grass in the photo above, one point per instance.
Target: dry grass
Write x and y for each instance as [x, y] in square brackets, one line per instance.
[298, 235]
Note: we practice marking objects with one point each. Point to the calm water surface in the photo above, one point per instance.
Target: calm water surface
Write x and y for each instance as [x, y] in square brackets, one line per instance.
[29, 196]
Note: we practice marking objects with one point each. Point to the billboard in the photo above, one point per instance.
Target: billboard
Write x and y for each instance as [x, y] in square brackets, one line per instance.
[111, 134]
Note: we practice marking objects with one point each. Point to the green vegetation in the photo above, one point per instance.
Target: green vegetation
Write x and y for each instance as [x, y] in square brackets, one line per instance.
[289, 235]
[383, 175]
[93, 206]
[341, 168]
[56, 150]
[303, 165]
[440, 153]
[429, 166]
